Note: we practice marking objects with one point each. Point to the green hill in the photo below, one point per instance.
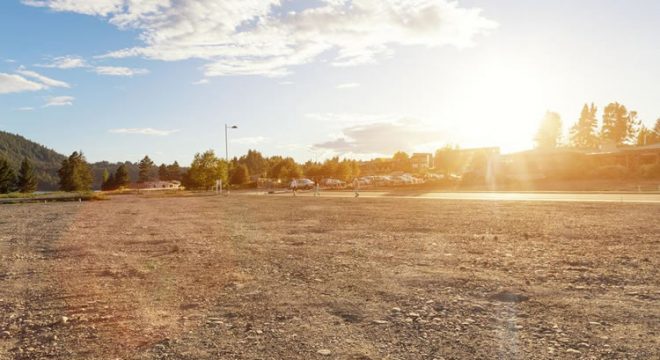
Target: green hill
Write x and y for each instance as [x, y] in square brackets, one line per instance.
[46, 161]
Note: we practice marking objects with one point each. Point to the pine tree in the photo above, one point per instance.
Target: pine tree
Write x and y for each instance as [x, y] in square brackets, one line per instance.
[174, 171]
[619, 125]
[584, 132]
[121, 177]
[7, 177]
[146, 170]
[27, 181]
[163, 174]
[75, 174]
[549, 133]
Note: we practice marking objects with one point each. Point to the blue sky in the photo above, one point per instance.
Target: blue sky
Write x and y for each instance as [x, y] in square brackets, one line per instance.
[122, 78]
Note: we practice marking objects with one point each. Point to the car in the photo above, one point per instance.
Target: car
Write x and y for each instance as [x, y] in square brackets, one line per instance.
[304, 184]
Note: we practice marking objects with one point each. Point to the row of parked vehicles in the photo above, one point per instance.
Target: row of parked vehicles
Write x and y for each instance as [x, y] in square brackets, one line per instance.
[364, 181]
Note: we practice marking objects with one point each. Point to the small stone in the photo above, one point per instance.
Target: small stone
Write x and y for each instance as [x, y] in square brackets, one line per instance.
[259, 332]
[396, 309]
[324, 352]
[65, 319]
[6, 333]
[573, 351]
[413, 314]
[380, 322]
[595, 323]
[583, 344]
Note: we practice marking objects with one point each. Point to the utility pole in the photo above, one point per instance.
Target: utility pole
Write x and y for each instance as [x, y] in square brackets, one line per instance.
[227, 127]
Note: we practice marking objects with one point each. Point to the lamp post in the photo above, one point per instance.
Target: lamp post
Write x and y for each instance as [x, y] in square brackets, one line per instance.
[227, 127]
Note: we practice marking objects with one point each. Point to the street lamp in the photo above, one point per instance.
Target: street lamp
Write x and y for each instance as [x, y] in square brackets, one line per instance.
[227, 127]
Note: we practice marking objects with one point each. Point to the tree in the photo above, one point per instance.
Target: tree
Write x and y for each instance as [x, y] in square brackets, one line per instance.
[7, 177]
[109, 183]
[255, 162]
[402, 161]
[286, 169]
[205, 169]
[163, 174]
[27, 181]
[619, 125]
[448, 160]
[174, 171]
[647, 136]
[240, 175]
[584, 133]
[146, 167]
[121, 178]
[75, 174]
[549, 133]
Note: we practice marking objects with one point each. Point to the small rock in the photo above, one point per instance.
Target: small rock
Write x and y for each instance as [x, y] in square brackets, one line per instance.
[380, 322]
[413, 314]
[259, 332]
[396, 309]
[595, 323]
[6, 333]
[65, 319]
[324, 352]
[573, 351]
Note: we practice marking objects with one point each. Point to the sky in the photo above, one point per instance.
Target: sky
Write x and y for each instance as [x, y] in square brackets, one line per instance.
[120, 79]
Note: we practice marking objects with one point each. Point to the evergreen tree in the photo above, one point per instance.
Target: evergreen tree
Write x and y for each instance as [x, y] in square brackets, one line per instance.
[174, 171]
[619, 125]
[146, 167]
[121, 177]
[7, 177]
[109, 183]
[75, 174]
[584, 132]
[27, 180]
[105, 176]
[549, 133]
[163, 174]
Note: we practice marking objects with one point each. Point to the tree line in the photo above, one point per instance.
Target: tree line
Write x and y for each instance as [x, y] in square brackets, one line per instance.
[25, 181]
[618, 126]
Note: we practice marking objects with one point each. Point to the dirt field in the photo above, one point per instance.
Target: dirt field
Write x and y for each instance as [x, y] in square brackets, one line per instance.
[305, 278]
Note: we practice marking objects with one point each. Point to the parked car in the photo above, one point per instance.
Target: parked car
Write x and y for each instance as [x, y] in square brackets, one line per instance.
[304, 184]
[333, 183]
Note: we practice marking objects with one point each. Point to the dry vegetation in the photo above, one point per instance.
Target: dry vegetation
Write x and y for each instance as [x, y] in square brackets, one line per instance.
[303, 278]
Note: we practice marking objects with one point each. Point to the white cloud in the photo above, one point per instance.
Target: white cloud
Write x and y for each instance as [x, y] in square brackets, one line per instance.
[66, 62]
[88, 7]
[252, 37]
[25, 108]
[201, 82]
[348, 85]
[119, 71]
[254, 140]
[59, 101]
[385, 137]
[48, 82]
[10, 83]
[143, 131]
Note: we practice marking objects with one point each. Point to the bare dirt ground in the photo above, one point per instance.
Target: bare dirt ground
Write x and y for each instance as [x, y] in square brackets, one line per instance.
[304, 278]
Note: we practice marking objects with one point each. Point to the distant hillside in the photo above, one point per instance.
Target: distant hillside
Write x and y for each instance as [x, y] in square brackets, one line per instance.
[46, 161]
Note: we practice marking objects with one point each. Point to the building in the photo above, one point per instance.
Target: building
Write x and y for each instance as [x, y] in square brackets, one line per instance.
[160, 185]
[421, 161]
